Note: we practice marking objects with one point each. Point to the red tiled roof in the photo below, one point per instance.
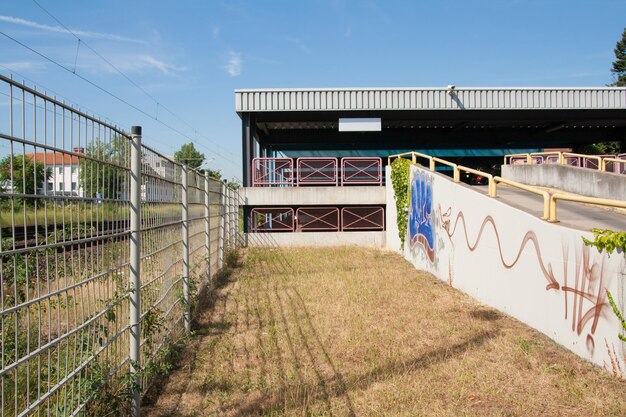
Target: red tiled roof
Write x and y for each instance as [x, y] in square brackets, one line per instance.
[54, 158]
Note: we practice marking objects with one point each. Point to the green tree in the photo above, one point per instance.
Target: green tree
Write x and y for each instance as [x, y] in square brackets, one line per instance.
[233, 185]
[600, 148]
[214, 173]
[190, 155]
[104, 170]
[619, 71]
[619, 65]
[26, 174]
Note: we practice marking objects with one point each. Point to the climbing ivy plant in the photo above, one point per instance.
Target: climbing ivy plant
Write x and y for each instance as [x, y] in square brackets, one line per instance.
[400, 171]
[610, 241]
[607, 240]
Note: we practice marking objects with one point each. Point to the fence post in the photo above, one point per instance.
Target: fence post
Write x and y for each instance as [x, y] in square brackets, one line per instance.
[230, 217]
[207, 227]
[135, 265]
[236, 203]
[221, 231]
[185, 216]
[231, 236]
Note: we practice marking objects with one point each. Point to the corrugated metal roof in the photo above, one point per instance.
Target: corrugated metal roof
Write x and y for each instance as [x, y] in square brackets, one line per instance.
[509, 98]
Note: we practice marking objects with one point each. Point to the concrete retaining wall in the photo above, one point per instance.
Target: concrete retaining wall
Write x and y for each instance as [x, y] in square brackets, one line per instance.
[369, 239]
[313, 196]
[582, 181]
[538, 272]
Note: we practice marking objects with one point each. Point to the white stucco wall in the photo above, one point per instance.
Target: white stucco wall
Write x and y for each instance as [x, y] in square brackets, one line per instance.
[62, 177]
[537, 272]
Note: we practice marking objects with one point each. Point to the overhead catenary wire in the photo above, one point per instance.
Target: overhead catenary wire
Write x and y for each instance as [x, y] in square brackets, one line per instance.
[130, 80]
[113, 95]
[56, 94]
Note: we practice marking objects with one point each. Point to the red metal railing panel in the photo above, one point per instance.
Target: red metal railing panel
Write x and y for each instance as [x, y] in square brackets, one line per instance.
[535, 159]
[317, 171]
[317, 218]
[272, 171]
[361, 170]
[592, 163]
[362, 218]
[272, 219]
[518, 160]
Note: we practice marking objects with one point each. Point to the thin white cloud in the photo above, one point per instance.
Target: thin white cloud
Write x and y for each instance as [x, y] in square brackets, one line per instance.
[162, 66]
[129, 64]
[216, 32]
[23, 65]
[301, 45]
[348, 31]
[233, 65]
[59, 29]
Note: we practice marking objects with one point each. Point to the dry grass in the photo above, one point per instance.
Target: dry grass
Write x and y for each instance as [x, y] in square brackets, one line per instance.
[358, 332]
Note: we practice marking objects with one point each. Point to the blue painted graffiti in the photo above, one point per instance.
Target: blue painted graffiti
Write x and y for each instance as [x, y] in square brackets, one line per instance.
[421, 226]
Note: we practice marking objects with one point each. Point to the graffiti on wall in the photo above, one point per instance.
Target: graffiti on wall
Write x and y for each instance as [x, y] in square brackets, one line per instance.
[579, 273]
[421, 223]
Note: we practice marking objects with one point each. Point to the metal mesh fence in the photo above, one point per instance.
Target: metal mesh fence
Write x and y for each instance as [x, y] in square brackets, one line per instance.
[66, 269]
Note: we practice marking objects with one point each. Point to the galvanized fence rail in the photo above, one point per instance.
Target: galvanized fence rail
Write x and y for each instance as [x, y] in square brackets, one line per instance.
[104, 245]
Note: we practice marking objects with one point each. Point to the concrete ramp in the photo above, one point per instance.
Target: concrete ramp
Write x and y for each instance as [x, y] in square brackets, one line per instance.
[577, 180]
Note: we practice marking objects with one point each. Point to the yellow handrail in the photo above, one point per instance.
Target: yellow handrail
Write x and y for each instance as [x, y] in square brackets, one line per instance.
[549, 201]
[529, 188]
[526, 155]
[529, 156]
[561, 157]
[580, 155]
[490, 189]
[455, 169]
[615, 160]
[581, 199]
[398, 156]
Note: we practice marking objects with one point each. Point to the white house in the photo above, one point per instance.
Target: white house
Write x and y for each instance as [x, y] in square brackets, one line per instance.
[64, 172]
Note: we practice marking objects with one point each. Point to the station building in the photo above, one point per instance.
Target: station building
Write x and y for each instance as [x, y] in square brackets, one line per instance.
[314, 159]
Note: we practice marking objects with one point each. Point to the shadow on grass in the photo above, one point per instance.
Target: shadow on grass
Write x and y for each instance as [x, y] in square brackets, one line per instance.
[339, 386]
[486, 315]
[207, 299]
[333, 384]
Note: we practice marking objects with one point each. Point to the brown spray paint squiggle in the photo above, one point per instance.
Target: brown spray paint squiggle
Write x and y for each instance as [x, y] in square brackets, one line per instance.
[529, 237]
[590, 282]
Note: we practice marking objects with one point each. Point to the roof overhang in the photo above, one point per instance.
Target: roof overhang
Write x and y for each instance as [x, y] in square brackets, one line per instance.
[457, 98]
[435, 118]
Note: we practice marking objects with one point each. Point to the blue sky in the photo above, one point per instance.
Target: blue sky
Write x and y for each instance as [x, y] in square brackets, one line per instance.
[191, 55]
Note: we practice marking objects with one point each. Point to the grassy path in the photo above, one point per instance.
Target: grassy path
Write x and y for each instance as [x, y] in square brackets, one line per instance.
[360, 332]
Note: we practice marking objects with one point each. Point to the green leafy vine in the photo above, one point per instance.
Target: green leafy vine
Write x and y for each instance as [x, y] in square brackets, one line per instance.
[400, 171]
[607, 240]
[610, 241]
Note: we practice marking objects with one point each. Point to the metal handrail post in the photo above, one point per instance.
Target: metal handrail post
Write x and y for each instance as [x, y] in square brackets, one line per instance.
[135, 269]
[185, 232]
[207, 227]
